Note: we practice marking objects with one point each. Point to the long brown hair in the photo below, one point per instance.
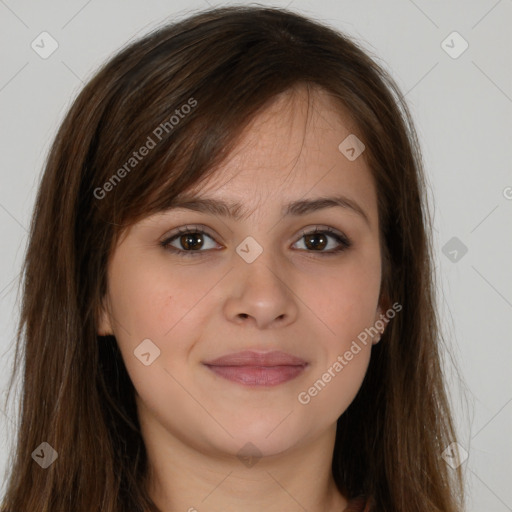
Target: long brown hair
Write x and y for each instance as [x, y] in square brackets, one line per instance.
[226, 64]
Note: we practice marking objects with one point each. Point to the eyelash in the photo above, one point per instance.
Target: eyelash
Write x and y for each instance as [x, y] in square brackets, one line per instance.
[344, 242]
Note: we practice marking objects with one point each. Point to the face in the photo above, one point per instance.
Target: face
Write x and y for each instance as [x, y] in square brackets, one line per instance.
[262, 283]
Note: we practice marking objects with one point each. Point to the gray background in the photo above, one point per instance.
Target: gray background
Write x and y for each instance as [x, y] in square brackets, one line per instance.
[461, 107]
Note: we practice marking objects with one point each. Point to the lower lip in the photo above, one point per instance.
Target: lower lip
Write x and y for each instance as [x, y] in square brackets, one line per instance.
[258, 375]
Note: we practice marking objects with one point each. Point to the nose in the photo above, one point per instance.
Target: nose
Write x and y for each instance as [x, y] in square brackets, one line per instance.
[261, 294]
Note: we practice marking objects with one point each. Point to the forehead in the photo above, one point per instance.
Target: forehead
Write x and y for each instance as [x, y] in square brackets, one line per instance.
[297, 125]
[291, 150]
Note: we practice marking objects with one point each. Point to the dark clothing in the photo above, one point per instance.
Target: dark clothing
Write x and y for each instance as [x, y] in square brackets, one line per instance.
[358, 504]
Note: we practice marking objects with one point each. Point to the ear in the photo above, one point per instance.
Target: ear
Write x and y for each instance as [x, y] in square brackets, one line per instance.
[104, 322]
[379, 322]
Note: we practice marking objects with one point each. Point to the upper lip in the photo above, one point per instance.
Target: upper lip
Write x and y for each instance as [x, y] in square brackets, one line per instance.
[253, 358]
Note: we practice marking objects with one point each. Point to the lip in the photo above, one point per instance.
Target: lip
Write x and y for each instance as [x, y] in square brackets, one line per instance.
[252, 368]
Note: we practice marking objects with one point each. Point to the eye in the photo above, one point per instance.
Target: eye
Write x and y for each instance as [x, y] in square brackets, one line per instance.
[191, 241]
[189, 238]
[319, 239]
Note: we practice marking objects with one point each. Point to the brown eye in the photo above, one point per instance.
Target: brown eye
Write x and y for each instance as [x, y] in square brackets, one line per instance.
[189, 242]
[318, 240]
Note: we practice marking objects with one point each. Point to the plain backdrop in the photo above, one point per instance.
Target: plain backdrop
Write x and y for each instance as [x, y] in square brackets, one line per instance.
[461, 102]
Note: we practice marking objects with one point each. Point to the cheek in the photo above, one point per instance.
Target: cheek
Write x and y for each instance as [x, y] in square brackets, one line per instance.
[140, 307]
[144, 310]
[142, 300]
[149, 301]
[344, 357]
[329, 394]
[346, 300]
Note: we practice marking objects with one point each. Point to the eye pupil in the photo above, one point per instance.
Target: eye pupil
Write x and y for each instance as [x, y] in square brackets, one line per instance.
[187, 243]
[310, 244]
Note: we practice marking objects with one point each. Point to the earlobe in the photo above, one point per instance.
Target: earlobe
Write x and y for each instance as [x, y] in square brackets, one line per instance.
[104, 323]
[379, 325]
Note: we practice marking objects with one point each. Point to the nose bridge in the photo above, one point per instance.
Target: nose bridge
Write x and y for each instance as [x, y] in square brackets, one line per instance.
[259, 264]
[262, 290]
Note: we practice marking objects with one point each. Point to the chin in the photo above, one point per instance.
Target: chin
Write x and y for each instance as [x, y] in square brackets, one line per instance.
[263, 436]
[253, 447]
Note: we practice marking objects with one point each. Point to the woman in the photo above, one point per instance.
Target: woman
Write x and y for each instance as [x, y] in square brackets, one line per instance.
[228, 296]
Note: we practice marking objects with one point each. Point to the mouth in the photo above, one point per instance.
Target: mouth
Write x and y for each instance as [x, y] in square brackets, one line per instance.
[252, 368]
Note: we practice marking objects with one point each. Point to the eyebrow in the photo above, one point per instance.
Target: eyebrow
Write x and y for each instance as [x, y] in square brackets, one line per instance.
[234, 210]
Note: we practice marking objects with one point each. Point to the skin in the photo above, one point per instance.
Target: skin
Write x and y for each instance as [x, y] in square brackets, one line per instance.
[292, 298]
